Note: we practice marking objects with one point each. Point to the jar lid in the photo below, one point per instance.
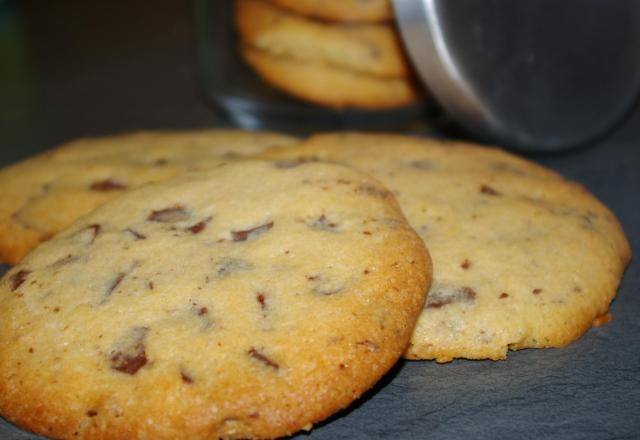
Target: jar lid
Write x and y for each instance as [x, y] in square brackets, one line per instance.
[537, 76]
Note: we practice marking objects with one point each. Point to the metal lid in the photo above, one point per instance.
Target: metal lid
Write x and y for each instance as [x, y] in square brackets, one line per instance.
[535, 75]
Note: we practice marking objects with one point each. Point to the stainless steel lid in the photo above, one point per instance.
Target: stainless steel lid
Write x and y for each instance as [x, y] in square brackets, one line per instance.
[535, 75]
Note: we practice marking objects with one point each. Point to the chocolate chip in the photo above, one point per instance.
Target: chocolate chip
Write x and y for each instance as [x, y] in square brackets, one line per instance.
[373, 191]
[504, 295]
[369, 345]
[64, 261]
[186, 377]
[117, 280]
[322, 223]
[172, 214]
[466, 264]
[486, 189]
[262, 358]
[227, 266]
[536, 291]
[249, 234]
[202, 313]
[443, 294]
[283, 164]
[89, 234]
[197, 228]
[18, 278]
[261, 300]
[421, 164]
[129, 355]
[92, 413]
[107, 185]
[136, 235]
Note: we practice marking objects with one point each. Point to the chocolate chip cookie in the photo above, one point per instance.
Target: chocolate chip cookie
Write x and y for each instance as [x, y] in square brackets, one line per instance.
[44, 194]
[522, 257]
[249, 301]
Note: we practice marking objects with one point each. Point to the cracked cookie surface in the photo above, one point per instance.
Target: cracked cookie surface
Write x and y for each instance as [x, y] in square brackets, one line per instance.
[247, 301]
[522, 257]
[46, 193]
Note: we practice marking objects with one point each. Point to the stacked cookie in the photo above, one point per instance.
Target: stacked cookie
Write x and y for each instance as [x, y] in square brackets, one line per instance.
[258, 283]
[334, 53]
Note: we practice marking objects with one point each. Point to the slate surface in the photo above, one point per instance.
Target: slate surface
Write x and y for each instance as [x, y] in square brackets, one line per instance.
[115, 67]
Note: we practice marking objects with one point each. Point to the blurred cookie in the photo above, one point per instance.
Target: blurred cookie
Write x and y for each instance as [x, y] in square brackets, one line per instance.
[249, 301]
[46, 193]
[339, 66]
[522, 257]
[324, 85]
[369, 49]
[341, 10]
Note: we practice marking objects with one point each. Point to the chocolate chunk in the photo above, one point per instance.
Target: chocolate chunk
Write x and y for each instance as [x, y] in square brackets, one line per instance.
[369, 345]
[117, 280]
[92, 413]
[262, 358]
[423, 164]
[64, 261]
[199, 227]
[89, 234]
[466, 264]
[186, 377]
[536, 291]
[443, 294]
[261, 300]
[322, 223]
[129, 354]
[504, 295]
[173, 214]
[203, 315]
[373, 191]
[107, 185]
[227, 266]
[249, 234]
[136, 235]
[18, 278]
[294, 163]
[486, 189]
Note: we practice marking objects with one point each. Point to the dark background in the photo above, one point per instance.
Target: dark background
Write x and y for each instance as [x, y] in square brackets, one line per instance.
[76, 68]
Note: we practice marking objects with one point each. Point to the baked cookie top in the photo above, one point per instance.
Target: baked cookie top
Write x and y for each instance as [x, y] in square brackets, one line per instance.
[522, 257]
[247, 301]
[46, 193]
[341, 10]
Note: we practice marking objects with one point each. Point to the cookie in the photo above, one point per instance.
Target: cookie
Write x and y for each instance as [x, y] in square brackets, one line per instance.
[336, 88]
[46, 193]
[341, 10]
[248, 301]
[522, 257]
[339, 66]
[366, 49]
